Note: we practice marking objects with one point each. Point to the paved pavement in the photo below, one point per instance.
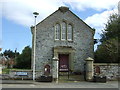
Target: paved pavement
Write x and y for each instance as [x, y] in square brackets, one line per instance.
[73, 84]
[17, 81]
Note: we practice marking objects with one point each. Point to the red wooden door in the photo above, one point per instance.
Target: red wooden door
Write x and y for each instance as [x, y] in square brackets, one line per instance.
[63, 62]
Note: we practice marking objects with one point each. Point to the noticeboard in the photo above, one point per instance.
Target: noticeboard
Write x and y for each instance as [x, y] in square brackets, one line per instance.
[22, 73]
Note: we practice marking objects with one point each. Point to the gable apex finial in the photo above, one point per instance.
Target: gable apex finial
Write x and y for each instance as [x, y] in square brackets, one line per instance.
[63, 8]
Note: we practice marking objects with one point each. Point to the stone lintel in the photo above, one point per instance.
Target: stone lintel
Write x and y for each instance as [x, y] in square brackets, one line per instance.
[64, 49]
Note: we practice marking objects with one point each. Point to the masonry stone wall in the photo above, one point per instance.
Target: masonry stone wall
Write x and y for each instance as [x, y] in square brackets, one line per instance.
[82, 40]
[109, 70]
[13, 74]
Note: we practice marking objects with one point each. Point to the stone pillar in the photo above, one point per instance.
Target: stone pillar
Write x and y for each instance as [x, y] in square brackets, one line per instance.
[89, 69]
[55, 69]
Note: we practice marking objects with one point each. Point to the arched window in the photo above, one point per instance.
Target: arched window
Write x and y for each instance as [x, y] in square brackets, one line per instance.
[47, 70]
[70, 32]
[97, 70]
[57, 32]
[64, 28]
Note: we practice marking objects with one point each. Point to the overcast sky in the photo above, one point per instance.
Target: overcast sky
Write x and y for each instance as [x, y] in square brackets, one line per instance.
[16, 17]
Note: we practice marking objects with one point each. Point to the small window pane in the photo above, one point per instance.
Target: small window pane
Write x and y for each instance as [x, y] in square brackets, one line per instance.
[57, 32]
[64, 27]
[69, 33]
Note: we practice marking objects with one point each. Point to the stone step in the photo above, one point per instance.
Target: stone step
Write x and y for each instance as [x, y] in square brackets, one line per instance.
[63, 73]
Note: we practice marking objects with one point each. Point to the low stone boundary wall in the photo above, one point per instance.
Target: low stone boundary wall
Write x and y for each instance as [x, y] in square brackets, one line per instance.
[19, 75]
[111, 71]
[4, 76]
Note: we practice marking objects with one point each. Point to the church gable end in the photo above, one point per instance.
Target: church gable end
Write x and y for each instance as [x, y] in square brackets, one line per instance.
[59, 37]
[57, 16]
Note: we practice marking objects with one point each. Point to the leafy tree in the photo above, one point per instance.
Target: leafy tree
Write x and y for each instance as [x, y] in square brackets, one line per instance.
[9, 53]
[108, 50]
[112, 29]
[24, 59]
[12, 55]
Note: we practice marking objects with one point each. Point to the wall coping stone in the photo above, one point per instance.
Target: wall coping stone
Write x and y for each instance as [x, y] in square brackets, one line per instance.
[105, 64]
[89, 59]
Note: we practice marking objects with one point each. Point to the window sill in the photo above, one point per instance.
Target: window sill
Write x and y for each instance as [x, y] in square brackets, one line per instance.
[70, 40]
[64, 40]
[57, 40]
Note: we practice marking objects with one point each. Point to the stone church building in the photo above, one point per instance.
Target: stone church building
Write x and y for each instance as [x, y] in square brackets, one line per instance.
[63, 42]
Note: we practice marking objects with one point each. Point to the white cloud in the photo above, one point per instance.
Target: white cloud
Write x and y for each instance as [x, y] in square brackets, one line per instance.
[99, 20]
[119, 8]
[94, 4]
[0, 25]
[20, 11]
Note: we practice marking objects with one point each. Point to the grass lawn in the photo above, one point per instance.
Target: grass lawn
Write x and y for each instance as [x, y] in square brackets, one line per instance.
[5, 71]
